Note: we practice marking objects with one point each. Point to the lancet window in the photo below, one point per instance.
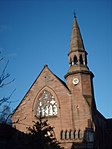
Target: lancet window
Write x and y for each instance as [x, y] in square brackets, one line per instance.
[81, 59]
[75, 134]
[80, 135]
[46, 105]
[62, 135]
[66, 134]
[69, 134]
[75, 60]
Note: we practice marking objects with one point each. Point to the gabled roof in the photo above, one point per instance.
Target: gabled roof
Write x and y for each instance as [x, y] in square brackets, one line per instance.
[45, 67]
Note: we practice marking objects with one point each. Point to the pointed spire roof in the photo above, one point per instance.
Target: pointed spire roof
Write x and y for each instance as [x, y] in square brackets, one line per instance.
[77, 55]
[76, 43]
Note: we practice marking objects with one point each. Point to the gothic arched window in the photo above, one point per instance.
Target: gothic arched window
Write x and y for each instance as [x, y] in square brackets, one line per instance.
[75, 134]
[80, 135]
[81, 59]
[66, 134]
[71, 134]
[75, 60]
[62, 135]
[46, 105]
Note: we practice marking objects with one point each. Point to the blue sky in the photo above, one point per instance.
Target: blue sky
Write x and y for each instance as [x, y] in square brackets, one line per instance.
[38, 32]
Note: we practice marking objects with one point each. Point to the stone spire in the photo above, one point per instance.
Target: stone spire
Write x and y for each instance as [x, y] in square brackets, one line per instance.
[77, 55]
[76, 43]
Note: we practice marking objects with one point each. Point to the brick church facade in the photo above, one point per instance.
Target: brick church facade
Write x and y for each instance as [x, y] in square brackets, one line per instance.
[69, 106]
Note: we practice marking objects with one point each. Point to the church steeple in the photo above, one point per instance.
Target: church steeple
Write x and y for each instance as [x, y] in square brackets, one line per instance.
[77, 55]
[76, 43]
[79, 80]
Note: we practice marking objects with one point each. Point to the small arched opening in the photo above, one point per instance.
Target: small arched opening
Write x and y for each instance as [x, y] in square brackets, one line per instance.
[75, 134]
[81, 59]
[62, 135]
[71, 134]
[75, 60]
[80, 135]
[66, 135]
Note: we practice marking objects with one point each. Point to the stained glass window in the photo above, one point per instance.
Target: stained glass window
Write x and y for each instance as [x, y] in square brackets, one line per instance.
[46, 105]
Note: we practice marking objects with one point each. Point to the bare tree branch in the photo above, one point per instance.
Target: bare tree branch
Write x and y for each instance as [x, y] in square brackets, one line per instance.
[4, 76]
[5, 113]
[6, 99]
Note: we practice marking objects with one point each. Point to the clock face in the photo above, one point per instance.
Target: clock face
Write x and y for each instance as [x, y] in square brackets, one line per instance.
[75, 81]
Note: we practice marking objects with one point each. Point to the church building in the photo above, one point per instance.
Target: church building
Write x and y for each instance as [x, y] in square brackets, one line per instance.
[68, 106]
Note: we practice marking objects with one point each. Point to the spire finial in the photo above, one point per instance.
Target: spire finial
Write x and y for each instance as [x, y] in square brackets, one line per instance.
[74, 13]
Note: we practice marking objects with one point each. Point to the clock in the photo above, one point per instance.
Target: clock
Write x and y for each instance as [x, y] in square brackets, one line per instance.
[75, 81]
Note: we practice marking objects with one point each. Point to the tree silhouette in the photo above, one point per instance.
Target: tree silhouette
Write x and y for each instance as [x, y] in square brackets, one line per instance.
[41, 136]
[5, 116]
[5, 101]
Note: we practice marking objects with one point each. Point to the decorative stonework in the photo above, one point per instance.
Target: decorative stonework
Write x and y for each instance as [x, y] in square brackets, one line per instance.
[46, 105]
[71, 135]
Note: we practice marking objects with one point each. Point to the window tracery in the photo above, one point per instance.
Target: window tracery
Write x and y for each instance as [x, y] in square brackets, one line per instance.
[46, 105]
